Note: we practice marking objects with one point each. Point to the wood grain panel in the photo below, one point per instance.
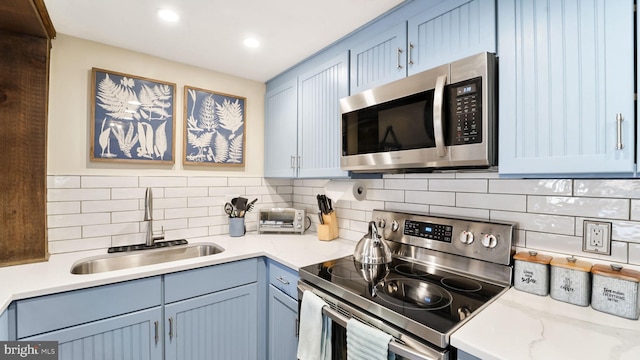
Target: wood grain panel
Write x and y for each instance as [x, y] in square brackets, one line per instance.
[23, 142]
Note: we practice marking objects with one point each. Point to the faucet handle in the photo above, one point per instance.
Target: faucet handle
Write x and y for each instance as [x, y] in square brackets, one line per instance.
[159, 236]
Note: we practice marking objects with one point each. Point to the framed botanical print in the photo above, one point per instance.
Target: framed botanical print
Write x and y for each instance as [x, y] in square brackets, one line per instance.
[132, 118]
[214, 128]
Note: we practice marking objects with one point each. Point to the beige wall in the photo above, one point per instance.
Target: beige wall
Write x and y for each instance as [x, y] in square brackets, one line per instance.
[69, 109]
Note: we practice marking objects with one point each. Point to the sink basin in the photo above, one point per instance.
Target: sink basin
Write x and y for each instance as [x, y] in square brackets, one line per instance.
[129, 260]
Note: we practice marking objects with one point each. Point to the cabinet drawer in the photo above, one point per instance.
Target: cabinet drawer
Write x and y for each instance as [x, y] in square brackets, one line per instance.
[284, 278]
[57, 311]
[191, 283]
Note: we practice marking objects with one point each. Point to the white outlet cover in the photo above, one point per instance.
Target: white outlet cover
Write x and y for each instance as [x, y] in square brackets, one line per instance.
[591, 226]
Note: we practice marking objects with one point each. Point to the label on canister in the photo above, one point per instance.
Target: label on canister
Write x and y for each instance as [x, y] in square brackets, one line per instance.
[532, 273]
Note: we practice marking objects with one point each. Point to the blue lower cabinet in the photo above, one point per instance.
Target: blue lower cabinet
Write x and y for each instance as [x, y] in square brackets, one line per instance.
[4, 326]
[132, 336]
[222, 325]
[283, 325]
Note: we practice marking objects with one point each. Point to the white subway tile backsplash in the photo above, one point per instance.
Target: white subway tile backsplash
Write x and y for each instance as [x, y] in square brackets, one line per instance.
[63, 182]
[108, 182]
[459, 212]
[458, 185]
[65, 233]
[206, 181]
[162, 181]
[431, 198]
[635, 210]
[170, 203]
[109, 229]
[634, 254]
[204, 201]
[133, 216]
[531, 187]
[406, 207]
[620, 230]
[187, 233]
[176, 213]
[471, 174]
[277, 182]
[563, 225]
[63, 207]
[169, 224]
[245, 181]
[609, 188]
[492, 201]
[109, 206]
[385, 195]
[57, 221]
[444, 175]
[134, 193]
[576, 206]
[64, 246]
[128, 239]
[572, 245]
[406, 184]
[185, 192]
[228, 192]
[78, 194]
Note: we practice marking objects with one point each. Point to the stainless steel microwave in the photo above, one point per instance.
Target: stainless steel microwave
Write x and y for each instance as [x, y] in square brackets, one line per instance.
[441, 118]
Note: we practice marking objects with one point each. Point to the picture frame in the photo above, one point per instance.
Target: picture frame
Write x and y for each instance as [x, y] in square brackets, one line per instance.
[214, 128]
[132, 118]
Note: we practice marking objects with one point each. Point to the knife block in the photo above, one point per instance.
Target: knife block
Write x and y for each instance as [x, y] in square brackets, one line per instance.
[329, 230]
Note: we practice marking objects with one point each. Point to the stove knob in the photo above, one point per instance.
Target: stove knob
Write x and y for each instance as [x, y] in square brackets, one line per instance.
[463, 313]
[466, 237]
[382, 223]
[489, 241]
[395, 226]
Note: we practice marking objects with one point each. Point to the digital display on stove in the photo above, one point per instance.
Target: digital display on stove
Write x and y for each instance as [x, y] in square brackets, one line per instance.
[427, 230]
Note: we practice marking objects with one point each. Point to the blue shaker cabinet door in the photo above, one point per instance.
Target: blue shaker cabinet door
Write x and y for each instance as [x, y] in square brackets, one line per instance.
[380, 60]
[134, 336]
[222, 325]
[319, 119]
[450, 31]
[566, 77]
[280, 131]
[283, 325]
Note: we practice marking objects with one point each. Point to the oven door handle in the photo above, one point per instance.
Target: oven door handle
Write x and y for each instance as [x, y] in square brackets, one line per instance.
[394, 346]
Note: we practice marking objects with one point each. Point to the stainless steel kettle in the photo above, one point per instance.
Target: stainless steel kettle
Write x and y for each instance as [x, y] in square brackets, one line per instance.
[372, 249]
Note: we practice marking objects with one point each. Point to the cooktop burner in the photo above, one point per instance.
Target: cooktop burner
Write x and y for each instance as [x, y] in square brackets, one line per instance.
[413, 294]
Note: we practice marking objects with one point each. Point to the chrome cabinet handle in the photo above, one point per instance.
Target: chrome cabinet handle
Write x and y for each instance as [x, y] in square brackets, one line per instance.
[156, 336]
[410, 54]
[298, 164]
[282, 280]
[297, 325]
[619, 120]
[399, 59]
[293, 162]
[438, 105]
[170, 328]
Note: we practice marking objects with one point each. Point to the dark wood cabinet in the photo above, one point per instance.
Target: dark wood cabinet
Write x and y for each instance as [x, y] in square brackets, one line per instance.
[25, 42]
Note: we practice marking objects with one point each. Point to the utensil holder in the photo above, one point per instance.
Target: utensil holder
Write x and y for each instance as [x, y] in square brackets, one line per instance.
[329, 230]
[236, 226]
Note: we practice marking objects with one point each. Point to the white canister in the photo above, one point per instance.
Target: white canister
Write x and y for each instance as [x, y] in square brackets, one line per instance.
[532, 272]
[571, 280]
[615, 291]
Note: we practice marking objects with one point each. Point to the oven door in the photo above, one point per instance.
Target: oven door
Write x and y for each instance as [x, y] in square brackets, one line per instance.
[404, 346]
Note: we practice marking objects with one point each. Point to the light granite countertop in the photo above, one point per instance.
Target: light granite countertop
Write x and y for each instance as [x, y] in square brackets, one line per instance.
[295, 251]
[521, 326]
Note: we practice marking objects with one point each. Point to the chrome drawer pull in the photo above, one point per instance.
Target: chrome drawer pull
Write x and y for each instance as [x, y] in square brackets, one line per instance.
[282, 280]
[399, 59]
[156, 336]
[170, 328]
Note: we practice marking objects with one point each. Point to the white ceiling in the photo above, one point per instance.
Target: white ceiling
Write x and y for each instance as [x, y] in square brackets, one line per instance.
[210, 32]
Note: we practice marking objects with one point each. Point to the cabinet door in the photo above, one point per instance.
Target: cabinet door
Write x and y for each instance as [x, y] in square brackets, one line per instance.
[222, 325]
[450, 31]
[380, 60]
[283, 325]
[280, 131]
[566, 71]
[133, 336]
[319, 119]
[4, 326]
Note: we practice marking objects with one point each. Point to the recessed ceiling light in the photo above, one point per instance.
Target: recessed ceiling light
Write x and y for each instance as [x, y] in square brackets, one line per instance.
[251, 42]
[168, 15]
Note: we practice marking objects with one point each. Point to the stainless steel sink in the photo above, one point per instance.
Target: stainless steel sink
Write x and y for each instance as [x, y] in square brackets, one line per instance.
[129, 260]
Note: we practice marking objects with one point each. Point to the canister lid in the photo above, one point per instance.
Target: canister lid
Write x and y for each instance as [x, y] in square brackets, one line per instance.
[616, 271]
[571, 263]
[533, 256]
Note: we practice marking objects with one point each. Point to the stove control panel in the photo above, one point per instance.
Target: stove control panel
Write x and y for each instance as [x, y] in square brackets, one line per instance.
[478, 239]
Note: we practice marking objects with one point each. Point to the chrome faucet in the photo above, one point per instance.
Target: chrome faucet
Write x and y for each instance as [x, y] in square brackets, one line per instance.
[148, 217]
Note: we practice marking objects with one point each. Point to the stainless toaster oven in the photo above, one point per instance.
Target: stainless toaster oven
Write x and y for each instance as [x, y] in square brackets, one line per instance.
[282, 220]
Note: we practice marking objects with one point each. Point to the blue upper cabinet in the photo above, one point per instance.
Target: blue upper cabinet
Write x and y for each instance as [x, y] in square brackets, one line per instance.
[280, 131]
[443, 32]
[379, 60]
[319, 119]
[566, 87]
[450, 31]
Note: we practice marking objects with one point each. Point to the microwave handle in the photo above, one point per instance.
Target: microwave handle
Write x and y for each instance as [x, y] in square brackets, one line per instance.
[438, 104]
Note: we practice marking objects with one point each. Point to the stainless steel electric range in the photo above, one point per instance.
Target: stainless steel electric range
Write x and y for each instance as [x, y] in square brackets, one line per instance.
[444, 271]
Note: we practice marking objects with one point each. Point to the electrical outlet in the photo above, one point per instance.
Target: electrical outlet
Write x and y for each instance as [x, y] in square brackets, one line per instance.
[596, 237]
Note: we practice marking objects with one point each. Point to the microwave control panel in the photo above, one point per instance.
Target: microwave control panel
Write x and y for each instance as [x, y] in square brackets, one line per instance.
[466, 112]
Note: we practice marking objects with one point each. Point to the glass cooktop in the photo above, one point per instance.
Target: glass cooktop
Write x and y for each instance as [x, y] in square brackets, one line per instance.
[422, 293]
